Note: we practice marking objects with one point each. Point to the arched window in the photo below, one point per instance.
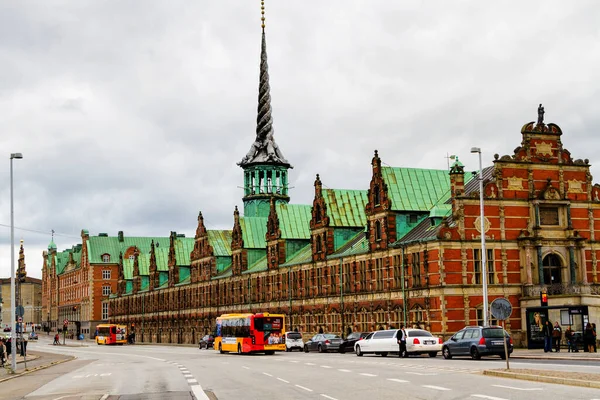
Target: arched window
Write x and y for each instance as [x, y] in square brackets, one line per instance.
[105, 258]
[318, 213]
[376, 195]
[319, 246]
[377, 230]
[552, 269]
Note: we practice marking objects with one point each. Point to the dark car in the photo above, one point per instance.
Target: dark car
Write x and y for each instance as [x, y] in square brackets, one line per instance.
[206, 342]
[323, 342]
[477, 341]
[351, 339]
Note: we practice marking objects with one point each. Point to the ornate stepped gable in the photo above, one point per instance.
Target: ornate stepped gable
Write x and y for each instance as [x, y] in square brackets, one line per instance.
[381, 221]
[321, 234]
[202, 258]
[121, 284]
[153, 269]
[275, 245]
[137, 279]
[238, 253]
[173, 268]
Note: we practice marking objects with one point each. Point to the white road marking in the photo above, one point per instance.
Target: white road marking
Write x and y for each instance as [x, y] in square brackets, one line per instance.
[328, 397]
[483, 396]
[305, 388]
[397, 380]
[310, 364]
[325, 366]
[243, 366]
[267, 374]
[516, 388]
[344, 370]
[192, 381]
[435, 387]
[294, 361]
[188, 375]
[104, 397]
[282, 380]
[365, 374]
[419, 373]
[199, 393]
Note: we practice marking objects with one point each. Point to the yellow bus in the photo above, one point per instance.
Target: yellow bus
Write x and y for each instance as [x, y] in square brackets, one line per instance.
[250, 333]
[111, 334]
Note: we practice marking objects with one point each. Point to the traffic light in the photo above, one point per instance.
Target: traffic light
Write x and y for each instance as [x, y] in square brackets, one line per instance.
[74, 308]
[544, 299]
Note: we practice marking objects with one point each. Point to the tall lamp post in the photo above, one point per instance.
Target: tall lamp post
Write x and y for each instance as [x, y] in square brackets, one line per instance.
[13, 328]
[482, 231]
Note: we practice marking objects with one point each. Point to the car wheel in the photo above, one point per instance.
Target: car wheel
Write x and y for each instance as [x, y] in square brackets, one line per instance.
[287, 349]
[446, 353]
[342, 351]
[320, 349]
[384, 354]
[306, 349]
[475, 353]
[221, 349]
[200, 346]
[358, 352]
[432, 354]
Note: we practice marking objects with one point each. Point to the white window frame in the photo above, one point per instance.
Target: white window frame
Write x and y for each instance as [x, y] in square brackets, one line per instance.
[106, 274]
[105, 258]
[104, 311]
[106, 290]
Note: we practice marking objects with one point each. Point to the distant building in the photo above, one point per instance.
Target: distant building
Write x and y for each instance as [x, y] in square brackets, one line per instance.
[28, 292]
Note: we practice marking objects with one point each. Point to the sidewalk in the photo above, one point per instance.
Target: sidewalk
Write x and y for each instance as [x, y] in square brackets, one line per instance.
[36, 360]
[539, 354]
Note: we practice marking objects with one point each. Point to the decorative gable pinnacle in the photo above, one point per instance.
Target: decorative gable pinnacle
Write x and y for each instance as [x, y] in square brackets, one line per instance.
[201, 229]
[237, 240]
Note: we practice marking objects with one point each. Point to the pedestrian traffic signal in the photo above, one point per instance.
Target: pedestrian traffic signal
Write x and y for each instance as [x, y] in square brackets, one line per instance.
[544, 299]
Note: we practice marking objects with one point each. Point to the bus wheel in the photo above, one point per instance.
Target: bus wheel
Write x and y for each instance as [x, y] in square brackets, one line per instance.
[239, 349]
[221, 349]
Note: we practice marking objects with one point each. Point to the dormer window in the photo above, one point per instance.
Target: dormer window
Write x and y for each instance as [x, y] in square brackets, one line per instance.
[376, 195]
[105, 258]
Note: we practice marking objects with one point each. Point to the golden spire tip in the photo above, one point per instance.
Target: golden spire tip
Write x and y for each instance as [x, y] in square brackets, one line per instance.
[262, 11]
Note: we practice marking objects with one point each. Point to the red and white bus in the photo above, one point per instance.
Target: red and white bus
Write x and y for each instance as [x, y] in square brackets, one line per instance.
[250, 333]
[111, 334]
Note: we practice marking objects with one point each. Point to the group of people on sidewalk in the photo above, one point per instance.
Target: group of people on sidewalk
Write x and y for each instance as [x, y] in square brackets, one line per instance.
[6, 348]
[553, 337]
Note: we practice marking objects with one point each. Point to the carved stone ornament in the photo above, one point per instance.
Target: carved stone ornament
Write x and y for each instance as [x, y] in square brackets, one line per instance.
[543, 148]
[575, 186]
[486, 224]
[515, 183]
[551, 194]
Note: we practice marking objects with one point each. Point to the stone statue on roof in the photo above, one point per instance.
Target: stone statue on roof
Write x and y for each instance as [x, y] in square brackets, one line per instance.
[540, 115]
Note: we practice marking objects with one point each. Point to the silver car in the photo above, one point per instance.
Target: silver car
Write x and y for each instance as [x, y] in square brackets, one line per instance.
[323, 342]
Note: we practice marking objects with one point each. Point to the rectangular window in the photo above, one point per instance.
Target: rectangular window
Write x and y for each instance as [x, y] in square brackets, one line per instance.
[416, 269]
[106, 274]
[413, 218]
[477, 265]
[105, 290]
[549, 216]
[106, 258]
[104, 311]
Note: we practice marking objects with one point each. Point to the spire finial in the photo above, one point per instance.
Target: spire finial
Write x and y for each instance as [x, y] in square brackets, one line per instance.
[262, 18]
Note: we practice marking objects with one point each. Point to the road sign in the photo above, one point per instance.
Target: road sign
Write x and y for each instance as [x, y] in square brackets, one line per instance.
[66, 322]
[20, 310]
[501, 308]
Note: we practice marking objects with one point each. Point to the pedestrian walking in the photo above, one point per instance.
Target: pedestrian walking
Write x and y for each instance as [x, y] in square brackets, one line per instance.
[2, 352]
[56, 339]
[401, 341]
[571, 345]
[595, 336]
[556, 336]
[589, 338]
[548, 336]
[24, 346]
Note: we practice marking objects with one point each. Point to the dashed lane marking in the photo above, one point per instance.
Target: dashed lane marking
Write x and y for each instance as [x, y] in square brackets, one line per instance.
[344, 370]
[283, 380]
[310, 364]
[365, 374]
[419, 373]
[516, 388]
[267, 374]
[104, 397]
[304, 388]
[483, 396]
[397, 380]
[328, 397]
[243, 366]
[325, 366]
[435, 387]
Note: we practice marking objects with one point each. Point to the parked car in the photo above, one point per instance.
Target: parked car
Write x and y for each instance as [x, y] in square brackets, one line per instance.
[293, 340]
[350, 341]
[420, 341]
[478, 341]
[206, 342]
[323, 342]
[379, 342]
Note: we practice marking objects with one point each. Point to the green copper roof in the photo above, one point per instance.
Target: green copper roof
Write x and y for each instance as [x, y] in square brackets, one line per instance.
[346, 207]
[220, 242]
[254, 230]
[359, 244]
[225, 274]
[62, 258]
[294, 220]
[99, 245]
[302, 256]
[259, 265]
[413, 189]
[183, 248]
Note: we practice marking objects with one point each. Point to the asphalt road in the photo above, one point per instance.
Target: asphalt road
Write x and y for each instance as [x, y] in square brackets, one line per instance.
[174, 372]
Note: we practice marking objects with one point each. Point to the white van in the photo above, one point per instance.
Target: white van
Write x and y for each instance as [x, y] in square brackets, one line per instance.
[293, 340]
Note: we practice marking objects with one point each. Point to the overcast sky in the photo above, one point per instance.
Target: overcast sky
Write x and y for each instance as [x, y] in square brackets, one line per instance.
[131, 115]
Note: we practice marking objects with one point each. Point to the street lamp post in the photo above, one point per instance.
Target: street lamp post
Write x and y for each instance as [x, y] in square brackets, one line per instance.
[13, 328]
[483, 251]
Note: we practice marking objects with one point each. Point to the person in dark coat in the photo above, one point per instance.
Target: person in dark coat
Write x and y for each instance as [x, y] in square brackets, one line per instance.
[589, 338]
[556, 336]
[548, 336]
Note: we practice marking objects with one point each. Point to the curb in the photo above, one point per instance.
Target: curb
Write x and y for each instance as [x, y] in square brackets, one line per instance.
[542, 378]
[560, 358]
[39, 367]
